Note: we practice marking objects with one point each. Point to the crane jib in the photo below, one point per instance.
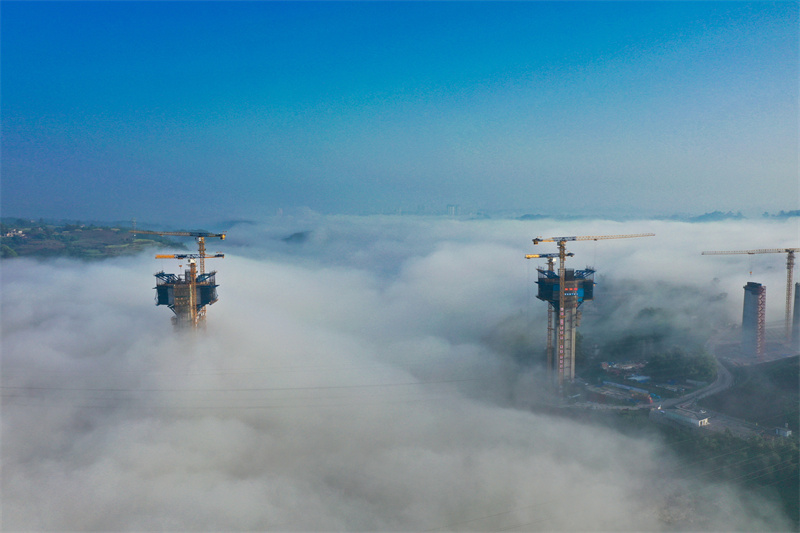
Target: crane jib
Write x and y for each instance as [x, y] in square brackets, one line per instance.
[537, 240]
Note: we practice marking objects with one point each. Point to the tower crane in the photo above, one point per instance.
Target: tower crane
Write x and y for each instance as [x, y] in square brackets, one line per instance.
[201, 242]
[789, 273]
[571, 293]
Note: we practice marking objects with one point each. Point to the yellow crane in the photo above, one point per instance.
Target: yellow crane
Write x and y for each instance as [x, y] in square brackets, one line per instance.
[567, 304]
[201, 242]
[789, 274]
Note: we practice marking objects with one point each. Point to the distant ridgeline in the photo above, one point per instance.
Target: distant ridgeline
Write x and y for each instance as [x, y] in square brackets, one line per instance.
[716, 216]
[29, 238]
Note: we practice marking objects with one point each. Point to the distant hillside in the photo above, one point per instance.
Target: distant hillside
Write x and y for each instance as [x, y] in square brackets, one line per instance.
[783, 214]
[717, 216]
[25, 238]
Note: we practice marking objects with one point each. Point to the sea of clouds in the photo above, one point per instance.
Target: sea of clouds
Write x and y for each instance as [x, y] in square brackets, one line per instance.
[363, 375]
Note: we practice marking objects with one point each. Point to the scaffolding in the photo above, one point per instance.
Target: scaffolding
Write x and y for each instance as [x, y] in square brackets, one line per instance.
[187, 295]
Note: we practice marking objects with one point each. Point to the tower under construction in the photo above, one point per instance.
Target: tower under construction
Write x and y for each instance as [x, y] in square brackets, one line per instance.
[563, 310]
[753, 319]
[565, 291]
[188, 295]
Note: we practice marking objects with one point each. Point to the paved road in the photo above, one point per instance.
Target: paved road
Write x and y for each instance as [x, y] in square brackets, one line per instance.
[724, 381]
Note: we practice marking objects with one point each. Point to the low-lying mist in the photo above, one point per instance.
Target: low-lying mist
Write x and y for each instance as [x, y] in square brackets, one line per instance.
[367, 374]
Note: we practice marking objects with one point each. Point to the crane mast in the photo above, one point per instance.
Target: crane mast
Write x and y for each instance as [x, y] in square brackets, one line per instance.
[789, 275]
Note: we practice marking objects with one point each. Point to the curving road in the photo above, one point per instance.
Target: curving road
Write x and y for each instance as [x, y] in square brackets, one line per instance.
[724, 381]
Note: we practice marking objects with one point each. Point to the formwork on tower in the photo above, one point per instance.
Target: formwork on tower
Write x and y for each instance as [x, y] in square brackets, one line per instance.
[186, 295]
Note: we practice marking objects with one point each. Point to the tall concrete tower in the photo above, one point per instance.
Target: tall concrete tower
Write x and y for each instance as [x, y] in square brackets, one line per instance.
[563, 305]
[753, 319]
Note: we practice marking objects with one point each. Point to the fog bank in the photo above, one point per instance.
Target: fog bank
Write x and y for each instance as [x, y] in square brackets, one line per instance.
[363, 377]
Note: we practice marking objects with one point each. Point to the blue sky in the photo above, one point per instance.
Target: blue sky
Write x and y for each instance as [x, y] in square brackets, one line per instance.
[169, 111]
